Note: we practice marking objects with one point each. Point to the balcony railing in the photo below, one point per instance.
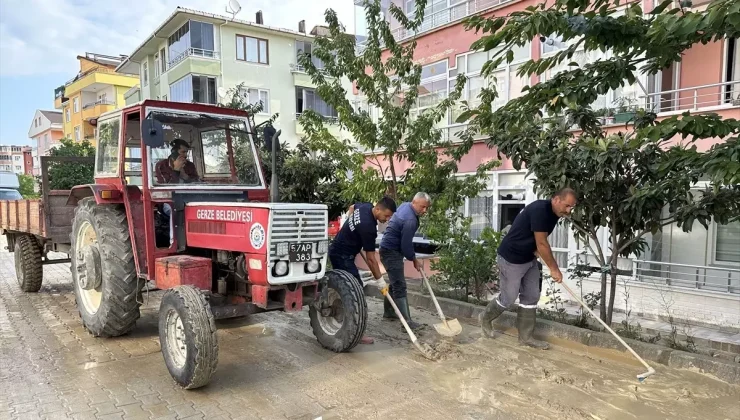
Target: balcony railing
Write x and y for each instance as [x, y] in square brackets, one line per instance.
[328, 120]
[716, 279]
[98, 102]
[448, 15]
[693, 98]
[192, 52]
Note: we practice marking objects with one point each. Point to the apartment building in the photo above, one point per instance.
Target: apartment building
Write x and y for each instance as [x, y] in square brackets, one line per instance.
[198, 57]
[96, 89]
[45, 132]
[700, 268]
[16, 159]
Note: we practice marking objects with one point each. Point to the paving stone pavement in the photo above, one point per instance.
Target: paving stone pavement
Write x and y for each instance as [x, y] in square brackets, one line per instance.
[271, 367]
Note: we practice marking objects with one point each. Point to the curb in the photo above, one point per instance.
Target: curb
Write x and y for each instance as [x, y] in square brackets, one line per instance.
[552, 331]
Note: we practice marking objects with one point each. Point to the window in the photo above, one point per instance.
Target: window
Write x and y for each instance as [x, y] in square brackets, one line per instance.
[215, 153]
[107, 154]
[77, 133]
[309, 99]
[103, 98]
[156, 66]
[201, 89]
[727, 243]
[302, 47]
[17, 157]
[252, 50]
[18, 168]
[255, 96]
[163, 61]
[76, 104]
[145, 74]
[67, 114]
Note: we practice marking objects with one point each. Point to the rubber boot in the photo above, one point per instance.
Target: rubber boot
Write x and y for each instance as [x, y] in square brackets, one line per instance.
[491, 313]
[388, 312]
[525, 322]
[403, 307]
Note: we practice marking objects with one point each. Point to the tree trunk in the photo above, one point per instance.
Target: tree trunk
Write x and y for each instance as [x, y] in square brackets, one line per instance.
[602, 305]
[612, 292]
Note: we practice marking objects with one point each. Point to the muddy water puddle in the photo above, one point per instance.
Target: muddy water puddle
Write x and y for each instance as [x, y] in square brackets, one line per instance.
[569, 381]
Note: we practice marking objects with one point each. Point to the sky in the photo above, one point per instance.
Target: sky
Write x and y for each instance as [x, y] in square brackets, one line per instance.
[40, 40]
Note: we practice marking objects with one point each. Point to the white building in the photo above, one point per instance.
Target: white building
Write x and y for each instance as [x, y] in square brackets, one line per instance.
[197, 57]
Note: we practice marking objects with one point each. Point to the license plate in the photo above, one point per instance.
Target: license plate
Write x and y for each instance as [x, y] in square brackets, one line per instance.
[300, 252]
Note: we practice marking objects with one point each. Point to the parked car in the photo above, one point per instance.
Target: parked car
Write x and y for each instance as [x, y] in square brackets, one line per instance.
[9, 186]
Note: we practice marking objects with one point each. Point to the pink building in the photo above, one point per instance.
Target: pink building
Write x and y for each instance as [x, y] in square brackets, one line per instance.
[45, 132]
[705, 280]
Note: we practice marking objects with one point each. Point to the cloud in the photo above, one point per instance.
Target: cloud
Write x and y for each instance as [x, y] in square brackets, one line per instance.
[45, 36]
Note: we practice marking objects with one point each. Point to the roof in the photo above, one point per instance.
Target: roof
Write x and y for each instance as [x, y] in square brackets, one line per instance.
[54, 116]
[226, 19]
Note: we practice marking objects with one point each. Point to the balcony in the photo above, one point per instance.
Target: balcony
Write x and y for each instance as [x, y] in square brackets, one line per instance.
[59, 97]
[452, 13]
[697, 98]
[95, 109]
[684, 276]
[195, 61]
[331, 124]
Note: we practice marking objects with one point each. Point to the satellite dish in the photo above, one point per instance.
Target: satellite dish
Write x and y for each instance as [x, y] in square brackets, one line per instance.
[233, 7]
[152, 133]
[221, 92]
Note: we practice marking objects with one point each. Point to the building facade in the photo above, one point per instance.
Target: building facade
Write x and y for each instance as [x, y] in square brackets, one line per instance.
[96, 89]
[16, 159]
[703, 280]
[200, 57]
[45, 132]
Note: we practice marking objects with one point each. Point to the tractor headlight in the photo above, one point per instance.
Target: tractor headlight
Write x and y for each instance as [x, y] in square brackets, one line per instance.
[323, 247]
[281, 249]
[281, 268]
[313, 266]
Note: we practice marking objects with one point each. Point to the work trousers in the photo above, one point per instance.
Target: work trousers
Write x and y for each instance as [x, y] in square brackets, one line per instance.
[393, 262]
[522, 280]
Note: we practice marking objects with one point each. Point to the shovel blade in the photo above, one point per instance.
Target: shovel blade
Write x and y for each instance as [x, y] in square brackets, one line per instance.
[452, 328]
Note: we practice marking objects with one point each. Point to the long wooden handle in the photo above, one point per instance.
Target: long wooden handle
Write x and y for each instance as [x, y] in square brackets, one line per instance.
[606, 326]
[425, 279]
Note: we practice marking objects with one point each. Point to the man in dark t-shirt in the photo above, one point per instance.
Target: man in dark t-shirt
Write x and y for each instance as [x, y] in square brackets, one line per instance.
[358, 233]
[519, 272]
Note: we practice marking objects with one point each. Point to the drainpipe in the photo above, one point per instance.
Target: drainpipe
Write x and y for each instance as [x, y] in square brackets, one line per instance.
[221, 53]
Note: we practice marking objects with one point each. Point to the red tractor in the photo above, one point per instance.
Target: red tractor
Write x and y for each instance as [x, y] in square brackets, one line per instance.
[206, 233]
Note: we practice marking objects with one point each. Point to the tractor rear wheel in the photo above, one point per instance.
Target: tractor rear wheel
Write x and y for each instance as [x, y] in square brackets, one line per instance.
[28, 268]
[103, 270]
[187, 335]
[339, 315]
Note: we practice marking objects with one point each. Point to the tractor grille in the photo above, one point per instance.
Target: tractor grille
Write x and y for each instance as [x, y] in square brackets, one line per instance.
[297, 226]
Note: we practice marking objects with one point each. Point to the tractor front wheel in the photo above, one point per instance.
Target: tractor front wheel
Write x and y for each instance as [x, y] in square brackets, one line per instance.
[339, 315]
[187, 335]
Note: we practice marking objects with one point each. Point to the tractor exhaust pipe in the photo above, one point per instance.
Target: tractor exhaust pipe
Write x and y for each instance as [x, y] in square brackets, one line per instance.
[274, 178]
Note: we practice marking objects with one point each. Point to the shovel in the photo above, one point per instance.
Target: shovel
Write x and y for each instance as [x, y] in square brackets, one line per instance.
[425, 349]
[447, 328]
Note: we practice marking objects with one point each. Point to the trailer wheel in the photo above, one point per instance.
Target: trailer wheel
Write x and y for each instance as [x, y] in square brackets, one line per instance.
[339, 315]
[103, 270]
[28, 268]
[187, 335]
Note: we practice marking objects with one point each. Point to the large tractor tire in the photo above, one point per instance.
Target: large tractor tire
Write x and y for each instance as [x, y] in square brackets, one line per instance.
[187, 336]
[28, 268]
[103, 269]
[339, 315]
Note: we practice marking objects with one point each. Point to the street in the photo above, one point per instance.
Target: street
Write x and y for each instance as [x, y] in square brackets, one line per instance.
[271, 367]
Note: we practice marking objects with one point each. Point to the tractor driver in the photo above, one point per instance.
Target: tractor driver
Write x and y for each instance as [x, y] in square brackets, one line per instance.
[176, 169]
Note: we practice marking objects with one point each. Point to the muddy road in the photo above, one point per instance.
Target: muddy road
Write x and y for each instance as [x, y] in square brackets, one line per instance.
[271, 367]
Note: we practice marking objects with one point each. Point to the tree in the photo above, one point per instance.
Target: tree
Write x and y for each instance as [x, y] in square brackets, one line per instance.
[302, 177]
[26, 186]
[66, 175]
[633, 182]
[388, 78]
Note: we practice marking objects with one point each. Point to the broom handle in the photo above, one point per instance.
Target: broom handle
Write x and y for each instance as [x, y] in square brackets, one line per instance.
[606, 326]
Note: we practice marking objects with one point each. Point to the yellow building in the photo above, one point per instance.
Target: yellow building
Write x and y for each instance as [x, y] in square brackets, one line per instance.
[96, 89]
